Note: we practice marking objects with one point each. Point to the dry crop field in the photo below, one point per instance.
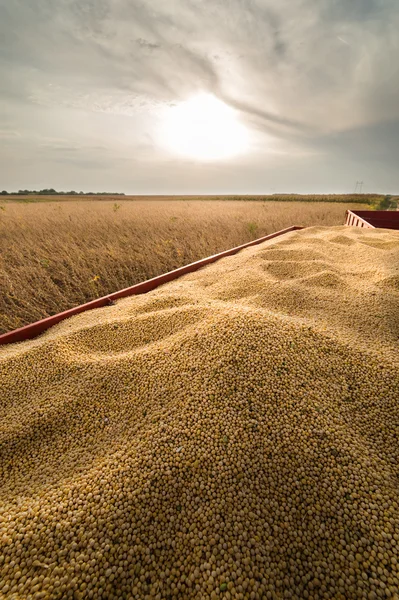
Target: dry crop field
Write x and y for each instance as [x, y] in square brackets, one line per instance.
[56, 254]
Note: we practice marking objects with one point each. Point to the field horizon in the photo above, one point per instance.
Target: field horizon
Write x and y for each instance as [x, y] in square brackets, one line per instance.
[371, 199]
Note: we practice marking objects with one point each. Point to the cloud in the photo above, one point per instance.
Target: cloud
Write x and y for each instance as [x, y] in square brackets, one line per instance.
[146, 44]
[356, 10]
[318, 75]
[375, 144]
[9, 134]
[285, 65]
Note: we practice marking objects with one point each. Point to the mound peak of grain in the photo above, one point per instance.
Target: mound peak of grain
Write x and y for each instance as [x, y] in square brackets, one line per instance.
[212, 439]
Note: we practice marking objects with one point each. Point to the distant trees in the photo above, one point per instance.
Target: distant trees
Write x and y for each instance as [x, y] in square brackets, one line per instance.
[53, 192]
[389, 203]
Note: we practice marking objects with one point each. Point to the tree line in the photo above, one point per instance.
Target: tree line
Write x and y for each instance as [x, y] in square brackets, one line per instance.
[52, 192]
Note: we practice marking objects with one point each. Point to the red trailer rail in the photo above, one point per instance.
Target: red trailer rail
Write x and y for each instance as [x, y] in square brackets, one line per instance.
[373, 218]
[35, 329]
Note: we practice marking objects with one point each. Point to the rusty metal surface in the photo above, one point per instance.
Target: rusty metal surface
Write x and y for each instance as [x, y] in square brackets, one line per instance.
[35, 329]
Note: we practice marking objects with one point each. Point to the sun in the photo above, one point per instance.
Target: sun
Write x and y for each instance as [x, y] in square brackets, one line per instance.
[203, 128]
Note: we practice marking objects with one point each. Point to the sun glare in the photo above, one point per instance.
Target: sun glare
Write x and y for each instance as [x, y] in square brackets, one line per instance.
[204, 128]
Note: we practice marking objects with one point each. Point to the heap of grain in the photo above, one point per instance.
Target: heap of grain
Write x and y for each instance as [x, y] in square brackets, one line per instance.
[234, 434]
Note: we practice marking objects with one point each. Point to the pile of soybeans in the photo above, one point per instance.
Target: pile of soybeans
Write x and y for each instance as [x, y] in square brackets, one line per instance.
[233, 434]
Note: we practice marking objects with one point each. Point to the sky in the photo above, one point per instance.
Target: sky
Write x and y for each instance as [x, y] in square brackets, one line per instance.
[97, 95]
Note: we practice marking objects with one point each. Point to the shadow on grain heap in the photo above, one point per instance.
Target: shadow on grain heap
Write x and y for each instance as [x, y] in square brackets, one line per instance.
[233, 434]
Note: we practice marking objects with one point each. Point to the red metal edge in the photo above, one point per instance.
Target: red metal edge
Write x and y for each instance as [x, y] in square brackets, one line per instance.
[34, 329]
[382, 219]
[373, 219]
[353, 220]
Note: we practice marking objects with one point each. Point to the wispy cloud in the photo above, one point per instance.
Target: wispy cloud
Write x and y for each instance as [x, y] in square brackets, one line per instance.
[306, 72]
